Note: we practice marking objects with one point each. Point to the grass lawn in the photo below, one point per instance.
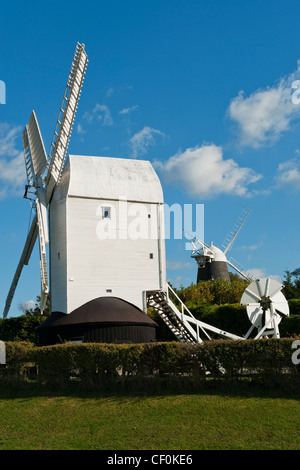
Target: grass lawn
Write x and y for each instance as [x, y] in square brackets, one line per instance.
[208, 421]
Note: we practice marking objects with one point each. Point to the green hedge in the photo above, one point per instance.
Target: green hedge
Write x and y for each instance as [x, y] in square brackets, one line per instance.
[18, 360]
[101, 366]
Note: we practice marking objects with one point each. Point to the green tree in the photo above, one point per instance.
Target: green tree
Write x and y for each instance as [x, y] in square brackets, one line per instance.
[291, 284]
[24, 327]
[217, 292]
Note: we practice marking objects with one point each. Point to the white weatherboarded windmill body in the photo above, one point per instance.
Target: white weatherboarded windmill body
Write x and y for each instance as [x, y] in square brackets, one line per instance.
[103, 219]
[107, 232]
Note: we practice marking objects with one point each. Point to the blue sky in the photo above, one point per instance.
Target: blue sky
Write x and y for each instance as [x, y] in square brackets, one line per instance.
[203, 89]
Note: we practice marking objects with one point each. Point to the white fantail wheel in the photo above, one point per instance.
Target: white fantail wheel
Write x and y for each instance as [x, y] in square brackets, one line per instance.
[266, 305]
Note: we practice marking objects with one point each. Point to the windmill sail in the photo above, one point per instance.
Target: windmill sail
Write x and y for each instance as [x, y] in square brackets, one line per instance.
[36, 163]
[30, 242]
[239, 269]
[36, 160]
[41, 210]
[237, 227]
[64, 124]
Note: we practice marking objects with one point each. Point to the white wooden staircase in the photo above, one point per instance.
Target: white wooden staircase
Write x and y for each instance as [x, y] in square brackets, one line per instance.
[181, 321]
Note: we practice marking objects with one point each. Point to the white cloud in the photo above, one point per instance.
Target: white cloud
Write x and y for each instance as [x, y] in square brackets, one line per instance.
[100, 112]
[180, 281]
[119, 89]
[252, 247]
[174, 265]
[202, 171]
[128, 110]
[266, 114]
[140, 142]
[288, 174]
[12, 166]
[109, 92]
[80, 129]
[29, 305]
[260, 273]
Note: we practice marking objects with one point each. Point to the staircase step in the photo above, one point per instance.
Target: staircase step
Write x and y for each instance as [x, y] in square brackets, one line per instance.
[170, 316]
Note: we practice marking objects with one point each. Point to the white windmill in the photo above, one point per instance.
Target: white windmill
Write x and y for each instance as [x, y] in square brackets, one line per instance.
[106, 233]
[212, 261]
[266, 306]
[44, 172]
[100, 284]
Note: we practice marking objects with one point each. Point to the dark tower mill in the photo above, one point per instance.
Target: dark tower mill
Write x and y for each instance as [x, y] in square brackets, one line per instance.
[212, 262]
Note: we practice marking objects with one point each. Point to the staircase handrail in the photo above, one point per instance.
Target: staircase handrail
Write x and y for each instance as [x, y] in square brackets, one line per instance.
[204, 326]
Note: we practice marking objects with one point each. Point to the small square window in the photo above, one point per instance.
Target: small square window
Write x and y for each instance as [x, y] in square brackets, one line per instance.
[151, 255]
[106, 212]
[108, 290]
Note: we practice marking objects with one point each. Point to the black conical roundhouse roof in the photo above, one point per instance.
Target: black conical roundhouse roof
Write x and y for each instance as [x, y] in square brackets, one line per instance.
[105, 310]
